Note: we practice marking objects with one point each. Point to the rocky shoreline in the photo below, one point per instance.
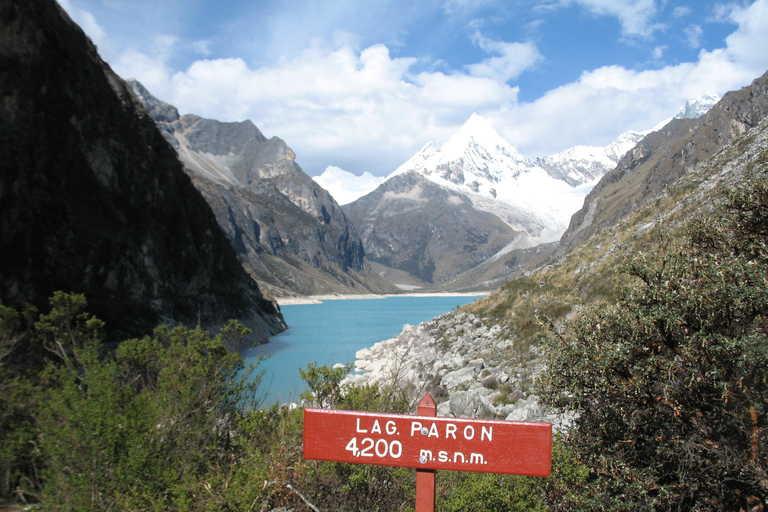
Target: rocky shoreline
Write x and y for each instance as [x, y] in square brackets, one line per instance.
[471, 369]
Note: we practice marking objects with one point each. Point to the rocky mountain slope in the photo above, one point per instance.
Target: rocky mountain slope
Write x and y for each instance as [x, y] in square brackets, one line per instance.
[484, 360]
[94, 200]
[412, 224]
[288, 232]
[663, 157]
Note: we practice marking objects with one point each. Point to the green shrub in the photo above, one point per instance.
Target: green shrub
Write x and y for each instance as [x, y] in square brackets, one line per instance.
[670, 382]
[151, 427]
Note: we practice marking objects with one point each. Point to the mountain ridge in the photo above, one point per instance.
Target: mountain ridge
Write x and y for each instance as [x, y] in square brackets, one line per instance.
[288, 232]
[534, 196]
[663, 156]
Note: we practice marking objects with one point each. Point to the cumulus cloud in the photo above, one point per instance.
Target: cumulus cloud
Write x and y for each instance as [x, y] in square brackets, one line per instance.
[330, 101]
[510, 61]
[612, 99]
[362, 108]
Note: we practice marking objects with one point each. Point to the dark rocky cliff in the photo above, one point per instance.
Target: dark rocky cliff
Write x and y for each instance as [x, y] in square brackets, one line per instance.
[288, 231]
[663, 157]
[94, 200]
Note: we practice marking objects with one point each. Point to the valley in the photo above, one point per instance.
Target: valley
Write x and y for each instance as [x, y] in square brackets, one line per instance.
[143, 251]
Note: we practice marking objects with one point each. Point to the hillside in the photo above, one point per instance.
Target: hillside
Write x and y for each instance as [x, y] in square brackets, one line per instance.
[663, 157]
[671, 176]
[93, 199]
[432, 233]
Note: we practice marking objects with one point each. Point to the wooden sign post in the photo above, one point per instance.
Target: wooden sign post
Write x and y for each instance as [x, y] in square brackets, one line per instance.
[425, 478]
[428, 442]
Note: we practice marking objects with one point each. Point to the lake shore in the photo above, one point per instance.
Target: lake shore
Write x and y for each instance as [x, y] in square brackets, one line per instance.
[317, 299]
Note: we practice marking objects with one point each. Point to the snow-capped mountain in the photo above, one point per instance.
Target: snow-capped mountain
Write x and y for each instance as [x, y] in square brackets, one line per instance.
[580, 165]
[346, 187]
[478, 162]
[697, 107]
[475, 199]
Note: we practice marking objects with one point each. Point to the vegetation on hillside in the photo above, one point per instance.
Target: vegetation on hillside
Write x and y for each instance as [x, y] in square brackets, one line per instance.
[670, 381]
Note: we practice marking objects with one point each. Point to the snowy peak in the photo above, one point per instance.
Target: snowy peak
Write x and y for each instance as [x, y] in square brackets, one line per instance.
[477, 133]
[584, 164]
[478, 163]
[697, 107]
[474, 155]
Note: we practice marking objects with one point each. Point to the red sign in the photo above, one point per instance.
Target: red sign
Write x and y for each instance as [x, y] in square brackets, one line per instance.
[425, 442]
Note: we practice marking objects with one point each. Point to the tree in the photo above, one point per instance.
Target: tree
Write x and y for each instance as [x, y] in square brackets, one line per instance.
[670, 383]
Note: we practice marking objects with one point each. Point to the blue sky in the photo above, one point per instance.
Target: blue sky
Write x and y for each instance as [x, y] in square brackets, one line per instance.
[363, 85]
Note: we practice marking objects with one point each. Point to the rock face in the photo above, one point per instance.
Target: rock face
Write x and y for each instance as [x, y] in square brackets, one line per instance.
[412, 224]
[94, 200]
[471, 369]
[662, 157]
[288, 232]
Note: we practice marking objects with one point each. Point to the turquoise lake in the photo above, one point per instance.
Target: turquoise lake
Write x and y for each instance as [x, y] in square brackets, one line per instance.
[332, 332]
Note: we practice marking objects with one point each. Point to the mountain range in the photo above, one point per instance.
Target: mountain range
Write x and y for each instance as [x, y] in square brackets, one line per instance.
[507, 205]
[463, 214]
[127, 217]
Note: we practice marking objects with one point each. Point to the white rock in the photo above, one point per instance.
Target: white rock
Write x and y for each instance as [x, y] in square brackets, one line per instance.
[461, 376]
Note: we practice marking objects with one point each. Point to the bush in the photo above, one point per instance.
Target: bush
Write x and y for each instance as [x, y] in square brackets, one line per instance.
[671, 383]
[151, 427]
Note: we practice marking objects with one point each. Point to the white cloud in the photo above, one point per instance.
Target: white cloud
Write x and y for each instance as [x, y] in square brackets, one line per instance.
[331, 102]
[722, 11]
[609, 100]
[636, 16]
[694, 33]
[681, 11]
[511, 60]
[364, 109]
[745, 47]
[595, 109]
